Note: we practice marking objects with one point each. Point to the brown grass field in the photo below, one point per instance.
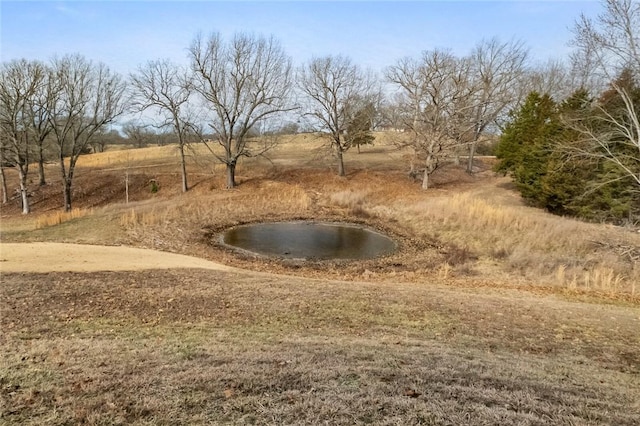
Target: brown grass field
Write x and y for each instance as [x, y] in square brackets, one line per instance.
[489, 313]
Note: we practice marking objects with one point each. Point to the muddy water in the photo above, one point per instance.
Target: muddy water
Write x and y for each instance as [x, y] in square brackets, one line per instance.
[309, 240]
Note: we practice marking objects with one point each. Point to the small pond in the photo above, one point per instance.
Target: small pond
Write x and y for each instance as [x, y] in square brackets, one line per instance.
[309, 240]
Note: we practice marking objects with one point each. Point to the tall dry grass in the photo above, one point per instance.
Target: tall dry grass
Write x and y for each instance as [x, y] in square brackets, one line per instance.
[58, 217]
[552, 250]
[227, 207]
[127, 156]
[354, 201]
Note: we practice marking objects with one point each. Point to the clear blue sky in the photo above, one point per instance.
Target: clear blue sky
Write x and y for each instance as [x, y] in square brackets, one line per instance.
[126, 34]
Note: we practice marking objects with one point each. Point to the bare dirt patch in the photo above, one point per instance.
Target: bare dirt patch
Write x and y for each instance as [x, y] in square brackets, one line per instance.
[57, 257]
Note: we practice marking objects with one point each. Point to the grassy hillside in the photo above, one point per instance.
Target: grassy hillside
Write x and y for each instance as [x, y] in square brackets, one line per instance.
[467, 228]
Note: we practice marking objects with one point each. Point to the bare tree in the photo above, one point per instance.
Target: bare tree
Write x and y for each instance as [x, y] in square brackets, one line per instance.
[89, 96]
[433, 89]
[336, 89]
[19, 81]
[411, 99]
[105, 137]
[552, 77]
[39, 123]
[391, 114]
[624, 131]
[3, 178]
[166, 87]
[137, 134]
[610, 43]
[611, 129]
[610, 46]
[245, 82]
[497, 69]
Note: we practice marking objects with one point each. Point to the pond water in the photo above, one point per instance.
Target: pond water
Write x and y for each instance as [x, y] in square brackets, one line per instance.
[310, 240]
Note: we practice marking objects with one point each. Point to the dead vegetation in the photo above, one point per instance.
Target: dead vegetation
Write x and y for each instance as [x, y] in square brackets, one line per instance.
[202, 347]
[491, 312]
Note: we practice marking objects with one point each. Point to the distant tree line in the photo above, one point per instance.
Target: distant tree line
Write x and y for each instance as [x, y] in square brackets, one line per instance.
[566, 151]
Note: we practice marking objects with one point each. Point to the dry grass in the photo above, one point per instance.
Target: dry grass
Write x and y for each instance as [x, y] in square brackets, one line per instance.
[490, 313]
[58, 217]
[134, 218]
[129, 157]
[350, 199]
[208, 347]
[554, 250]
[465, 227]
[202, 209]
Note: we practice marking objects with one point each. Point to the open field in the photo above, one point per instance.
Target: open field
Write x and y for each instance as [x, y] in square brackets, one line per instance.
[491, 312]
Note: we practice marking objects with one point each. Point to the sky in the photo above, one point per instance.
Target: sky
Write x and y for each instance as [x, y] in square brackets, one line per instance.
[374, 34]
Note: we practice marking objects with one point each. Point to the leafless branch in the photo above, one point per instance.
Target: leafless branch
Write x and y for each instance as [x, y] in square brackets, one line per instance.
[245, 82]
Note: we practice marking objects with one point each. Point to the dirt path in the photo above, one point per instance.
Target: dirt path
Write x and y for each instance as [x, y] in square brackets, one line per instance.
[59, 257]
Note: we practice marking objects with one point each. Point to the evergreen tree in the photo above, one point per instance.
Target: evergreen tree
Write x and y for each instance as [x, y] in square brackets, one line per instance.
[615, 193]
[526, 144]
[553, 164]
[566, 178]
[358, 129]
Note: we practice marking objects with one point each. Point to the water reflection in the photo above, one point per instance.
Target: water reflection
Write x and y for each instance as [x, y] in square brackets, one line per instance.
[309, 240]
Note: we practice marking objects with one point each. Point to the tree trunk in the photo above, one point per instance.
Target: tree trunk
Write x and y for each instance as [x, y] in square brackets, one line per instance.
[231, 175]
[425, 179]
[183, 165]
[3, 183]
[472, 153]
[67, 194]
[340, 162]
[428, 169]
[41, 178]
[66, 183]
[24, 195]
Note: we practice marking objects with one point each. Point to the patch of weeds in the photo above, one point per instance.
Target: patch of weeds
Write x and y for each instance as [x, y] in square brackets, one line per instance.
[456, 255]
[499, 253]
[154, 187]
[189, 352]
[350, 380]
[358, 211]
[465, 270]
